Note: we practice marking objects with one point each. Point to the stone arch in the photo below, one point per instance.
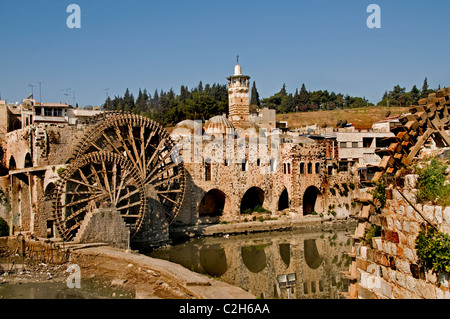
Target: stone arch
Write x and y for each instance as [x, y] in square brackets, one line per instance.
[12, 163]
[310, 199]
[253, 197]
[212, 203]
[283, 201]
[28, 161]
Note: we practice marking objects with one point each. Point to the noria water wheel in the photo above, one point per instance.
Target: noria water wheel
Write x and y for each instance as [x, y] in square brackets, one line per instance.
[127, 153]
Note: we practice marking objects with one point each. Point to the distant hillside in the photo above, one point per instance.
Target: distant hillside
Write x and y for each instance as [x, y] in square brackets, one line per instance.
[362, 118]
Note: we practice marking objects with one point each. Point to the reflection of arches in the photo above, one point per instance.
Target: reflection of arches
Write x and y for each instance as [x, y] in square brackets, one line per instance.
[254, 258]
[212, 203]
[213, 260]
[12, 163]
[283, 201]
[309, 199]
[28, 161]
[253, 197]
[285, 253]
[312, 255]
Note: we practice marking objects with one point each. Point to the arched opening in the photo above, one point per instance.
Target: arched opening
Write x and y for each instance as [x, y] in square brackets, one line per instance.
[212, 203]
[28, 161]
[312, 255]
[47, 207]
[253, 198]
[285, 253]
[283, 201]
[310, 199]
[12, 163]
[254, 258]
[213, 260]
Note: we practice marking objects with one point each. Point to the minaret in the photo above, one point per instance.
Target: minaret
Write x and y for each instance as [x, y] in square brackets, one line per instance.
[238, 97]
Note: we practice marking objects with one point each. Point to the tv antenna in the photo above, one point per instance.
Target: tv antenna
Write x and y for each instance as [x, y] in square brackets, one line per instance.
[106, 90]
[40, 92]
[67, 94]
[32, 89]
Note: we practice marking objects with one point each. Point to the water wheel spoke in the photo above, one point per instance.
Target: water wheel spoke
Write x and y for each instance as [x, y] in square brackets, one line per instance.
[106, 181]
[128, 195]
[161, 172]
[85, 184]
[170, 191]
[169, 199]
[133, 144]
[167, 180]
[77, 213]
[110, 142]
[94, 173]
[124, 144]
[85, 200]
[129, 205]
[155, 153]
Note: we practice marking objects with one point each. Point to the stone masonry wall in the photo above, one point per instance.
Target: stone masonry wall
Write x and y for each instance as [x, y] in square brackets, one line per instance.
[391, 269]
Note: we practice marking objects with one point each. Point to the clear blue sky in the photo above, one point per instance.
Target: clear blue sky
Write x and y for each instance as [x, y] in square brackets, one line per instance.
[162, 44]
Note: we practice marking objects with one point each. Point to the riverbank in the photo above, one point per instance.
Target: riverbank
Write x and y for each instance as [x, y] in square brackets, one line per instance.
[115, 273]
[108, 272]
[304, 223]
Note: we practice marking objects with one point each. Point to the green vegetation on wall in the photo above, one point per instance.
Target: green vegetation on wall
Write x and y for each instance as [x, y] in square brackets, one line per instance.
[433, 249]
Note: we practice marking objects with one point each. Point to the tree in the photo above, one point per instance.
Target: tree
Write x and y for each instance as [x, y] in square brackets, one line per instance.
[304, 98]
[254, 100]
[424, 92]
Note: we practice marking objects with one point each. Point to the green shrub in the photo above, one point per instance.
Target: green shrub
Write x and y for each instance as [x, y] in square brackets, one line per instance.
[374, 231]
[379, 192]
[4, 228]
[431, 183]
[433, 249]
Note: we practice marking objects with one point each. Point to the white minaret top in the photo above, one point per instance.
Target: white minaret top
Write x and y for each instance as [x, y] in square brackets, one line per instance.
[237, 70]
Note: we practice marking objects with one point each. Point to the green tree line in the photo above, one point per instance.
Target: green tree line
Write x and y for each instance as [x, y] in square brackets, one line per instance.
[168, 108]
[205, 101]
[398, 96]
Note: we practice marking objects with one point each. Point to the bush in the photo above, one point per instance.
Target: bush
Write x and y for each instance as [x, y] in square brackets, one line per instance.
[379, 192]
[433, 249]
[431, 183]
[4, 228]
[374, 231]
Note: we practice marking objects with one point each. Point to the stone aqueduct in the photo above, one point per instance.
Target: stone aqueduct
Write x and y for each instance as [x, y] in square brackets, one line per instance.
[58, 173]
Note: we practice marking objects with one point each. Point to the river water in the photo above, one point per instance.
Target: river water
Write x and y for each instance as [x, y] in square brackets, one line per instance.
[254, 261]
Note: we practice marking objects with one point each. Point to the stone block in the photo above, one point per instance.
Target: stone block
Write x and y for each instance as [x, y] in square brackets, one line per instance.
[446, 215]
[410, 254]
[391, 236]
[411, 284]
[443, 279]
[400, 279]
[430, 276]
[438, 214]
[405, 226]
[411, 181]
[428, 212]
[402, 265]
[439, 293]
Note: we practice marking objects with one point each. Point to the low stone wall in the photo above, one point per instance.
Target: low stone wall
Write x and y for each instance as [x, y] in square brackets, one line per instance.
[390, 268]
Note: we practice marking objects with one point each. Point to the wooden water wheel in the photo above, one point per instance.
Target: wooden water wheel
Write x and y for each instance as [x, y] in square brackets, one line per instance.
[98, 180]
[146, 147]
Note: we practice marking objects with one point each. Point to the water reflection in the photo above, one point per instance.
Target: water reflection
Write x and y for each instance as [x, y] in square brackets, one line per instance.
[253, 261]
